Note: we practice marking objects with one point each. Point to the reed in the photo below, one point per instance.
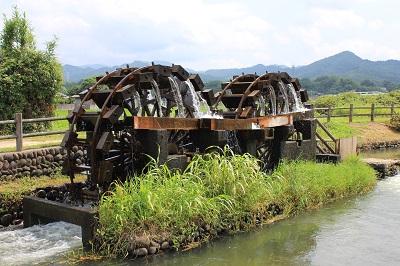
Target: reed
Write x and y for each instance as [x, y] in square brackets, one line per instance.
[223, 190]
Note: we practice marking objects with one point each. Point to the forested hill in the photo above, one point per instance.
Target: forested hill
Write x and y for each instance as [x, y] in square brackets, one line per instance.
[345, 65]
[348, 65]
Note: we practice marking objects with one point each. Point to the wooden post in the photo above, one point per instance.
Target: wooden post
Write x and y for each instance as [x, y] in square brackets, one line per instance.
[351, 113]
[329, 114]
[392, 110]
[18, 131]
[372, 112]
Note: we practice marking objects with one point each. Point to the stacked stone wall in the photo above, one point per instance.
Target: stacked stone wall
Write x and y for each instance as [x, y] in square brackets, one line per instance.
[38, 162]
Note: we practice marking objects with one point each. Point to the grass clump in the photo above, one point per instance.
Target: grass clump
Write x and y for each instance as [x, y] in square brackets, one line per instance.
[223, 190]
[12, 192]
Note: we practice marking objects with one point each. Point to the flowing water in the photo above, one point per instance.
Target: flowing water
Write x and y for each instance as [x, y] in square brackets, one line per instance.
[272, 100]
[361, 230]
[39, 244]
[157, 93]
[285, 108]
[201, 108]
[177, 96]
[297, 105]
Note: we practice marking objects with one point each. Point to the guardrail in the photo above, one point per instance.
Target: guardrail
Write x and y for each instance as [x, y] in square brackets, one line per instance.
[372, 112]
[19, 135]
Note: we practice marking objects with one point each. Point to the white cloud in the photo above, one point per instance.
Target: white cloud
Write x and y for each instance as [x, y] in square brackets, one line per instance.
[336, 18]
[375, 24]
[209, 34]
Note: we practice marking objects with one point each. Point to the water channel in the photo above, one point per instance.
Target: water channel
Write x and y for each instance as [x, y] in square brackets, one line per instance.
[361, 230]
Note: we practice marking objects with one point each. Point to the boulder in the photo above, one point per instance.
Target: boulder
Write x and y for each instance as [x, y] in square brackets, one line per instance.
[140, 252]
[6, 219]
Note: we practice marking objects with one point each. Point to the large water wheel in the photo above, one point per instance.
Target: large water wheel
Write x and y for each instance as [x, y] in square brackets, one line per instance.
[252, 95]
[107, 134]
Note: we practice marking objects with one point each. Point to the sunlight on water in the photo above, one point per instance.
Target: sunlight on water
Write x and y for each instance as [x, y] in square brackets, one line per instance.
[38, 244]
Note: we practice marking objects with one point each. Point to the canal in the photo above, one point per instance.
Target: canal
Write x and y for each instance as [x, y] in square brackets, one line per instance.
[361, 230]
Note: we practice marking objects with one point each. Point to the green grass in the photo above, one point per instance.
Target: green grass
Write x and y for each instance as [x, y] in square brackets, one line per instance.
[223, 190]
[12, 192]
[61, 124]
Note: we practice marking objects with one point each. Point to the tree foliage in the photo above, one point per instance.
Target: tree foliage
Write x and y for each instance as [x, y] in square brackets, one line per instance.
[84, 84]
[30, 78]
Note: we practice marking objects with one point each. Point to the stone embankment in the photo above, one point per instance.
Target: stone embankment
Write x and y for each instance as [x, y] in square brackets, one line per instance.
[34, 163]
[379, 145]
[384, 167]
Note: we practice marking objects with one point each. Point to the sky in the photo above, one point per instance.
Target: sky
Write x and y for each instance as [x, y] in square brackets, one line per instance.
[206, 34]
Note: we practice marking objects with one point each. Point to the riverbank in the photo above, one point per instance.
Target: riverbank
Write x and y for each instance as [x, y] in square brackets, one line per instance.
[376, 135]
[217, 195]
[370, 135]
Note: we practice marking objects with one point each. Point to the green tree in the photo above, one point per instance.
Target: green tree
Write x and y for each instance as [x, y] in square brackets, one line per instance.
[367, 83]
[30, 78]
[215, 85]
[82, 85]
[389, 85]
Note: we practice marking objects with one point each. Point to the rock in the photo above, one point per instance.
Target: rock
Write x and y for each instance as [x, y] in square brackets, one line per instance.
[21, 163]
[213, 232]
[52, 195]
[13, 165]
[6, 165]
[41, 194]
[1, 165]
[142, 241]
[164, 245]
[140, 252]
[26, 173]
[58, 157]
[154, 244]
[6, 219]
[49, 157]
[8, 157]
[206, 227]
[79, 154]
[152, 250]
[30, 155]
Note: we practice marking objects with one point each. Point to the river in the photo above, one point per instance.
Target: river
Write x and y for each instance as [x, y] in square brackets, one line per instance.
[361, 230]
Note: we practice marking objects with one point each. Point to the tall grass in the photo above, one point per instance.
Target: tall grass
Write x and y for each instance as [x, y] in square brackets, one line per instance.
[223, 190]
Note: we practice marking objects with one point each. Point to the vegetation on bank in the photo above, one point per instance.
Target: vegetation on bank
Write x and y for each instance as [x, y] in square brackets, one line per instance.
[225, 191]
[31, 79]
[346, 98]
[12, 192]
[383, 129]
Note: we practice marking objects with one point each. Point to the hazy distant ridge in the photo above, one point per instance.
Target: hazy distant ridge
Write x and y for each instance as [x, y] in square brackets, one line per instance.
[345, 64]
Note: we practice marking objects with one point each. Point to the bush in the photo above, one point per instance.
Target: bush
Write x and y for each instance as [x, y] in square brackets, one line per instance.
[30, 79]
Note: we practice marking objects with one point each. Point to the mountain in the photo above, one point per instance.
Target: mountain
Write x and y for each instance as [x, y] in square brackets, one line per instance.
[345, 65]
[226, 74]
[348, 65]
